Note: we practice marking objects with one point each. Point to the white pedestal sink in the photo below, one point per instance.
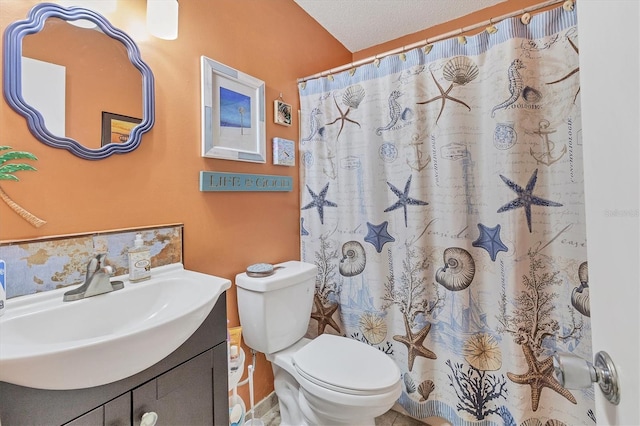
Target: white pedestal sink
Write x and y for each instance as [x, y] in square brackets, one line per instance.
[46, 343]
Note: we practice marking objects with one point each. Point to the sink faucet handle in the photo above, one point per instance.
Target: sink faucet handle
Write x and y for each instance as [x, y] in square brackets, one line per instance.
[101, 257]
[92, 267]
[102, 266]
[98, 264]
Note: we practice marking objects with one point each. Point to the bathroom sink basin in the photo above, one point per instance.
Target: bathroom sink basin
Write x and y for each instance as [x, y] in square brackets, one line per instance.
[46, 343]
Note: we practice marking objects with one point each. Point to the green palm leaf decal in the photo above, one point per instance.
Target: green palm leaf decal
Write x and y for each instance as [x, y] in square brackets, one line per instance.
[15, 155]
[7, 173]
[6, 170]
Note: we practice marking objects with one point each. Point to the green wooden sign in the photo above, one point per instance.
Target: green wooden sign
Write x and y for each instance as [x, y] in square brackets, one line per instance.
[219, 181]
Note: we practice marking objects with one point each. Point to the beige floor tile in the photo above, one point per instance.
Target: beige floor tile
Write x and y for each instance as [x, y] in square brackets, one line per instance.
[390, 418]
[387, 418]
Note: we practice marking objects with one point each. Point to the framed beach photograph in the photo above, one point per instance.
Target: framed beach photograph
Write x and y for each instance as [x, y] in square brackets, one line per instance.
[281, 112]
[233, 113]
[116, 128]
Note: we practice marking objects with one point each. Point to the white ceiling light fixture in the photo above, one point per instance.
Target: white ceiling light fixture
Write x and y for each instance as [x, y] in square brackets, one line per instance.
[162, 18]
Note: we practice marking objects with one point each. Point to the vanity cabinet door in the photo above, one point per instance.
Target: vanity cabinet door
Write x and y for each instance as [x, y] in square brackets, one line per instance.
[181, 396]
[114, 413]
[118, 411]
[94, 417]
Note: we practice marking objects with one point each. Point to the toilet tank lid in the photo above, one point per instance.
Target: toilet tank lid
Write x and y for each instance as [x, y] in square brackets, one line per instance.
[285, 274]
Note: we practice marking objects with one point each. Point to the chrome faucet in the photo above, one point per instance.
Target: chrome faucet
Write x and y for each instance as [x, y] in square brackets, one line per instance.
[96, 282]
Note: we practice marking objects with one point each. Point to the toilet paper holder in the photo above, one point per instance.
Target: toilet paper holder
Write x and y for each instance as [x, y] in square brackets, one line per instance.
[574, 372]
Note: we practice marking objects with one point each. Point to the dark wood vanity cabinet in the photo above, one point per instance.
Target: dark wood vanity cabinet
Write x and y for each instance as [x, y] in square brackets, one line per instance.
[113, 413]
[188, 387]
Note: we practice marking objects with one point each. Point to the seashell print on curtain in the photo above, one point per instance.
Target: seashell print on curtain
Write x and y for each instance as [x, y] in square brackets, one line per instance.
[442, 201]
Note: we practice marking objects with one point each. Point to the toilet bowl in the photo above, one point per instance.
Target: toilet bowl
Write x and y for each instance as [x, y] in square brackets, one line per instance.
[336, 380]
[330, 380]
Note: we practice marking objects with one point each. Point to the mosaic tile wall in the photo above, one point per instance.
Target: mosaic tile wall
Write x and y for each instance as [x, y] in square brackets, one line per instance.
[46, 264]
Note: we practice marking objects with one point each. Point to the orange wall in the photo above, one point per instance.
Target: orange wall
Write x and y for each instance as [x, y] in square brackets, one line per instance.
[272, 40]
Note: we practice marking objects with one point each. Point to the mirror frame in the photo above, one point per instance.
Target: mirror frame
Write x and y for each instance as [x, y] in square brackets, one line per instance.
[12, 79]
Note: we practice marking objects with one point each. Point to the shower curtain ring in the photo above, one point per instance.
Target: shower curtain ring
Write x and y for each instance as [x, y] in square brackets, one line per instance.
[491, 29]
[461, 39]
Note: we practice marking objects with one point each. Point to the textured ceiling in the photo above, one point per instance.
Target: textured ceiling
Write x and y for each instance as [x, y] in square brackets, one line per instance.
[360, 24]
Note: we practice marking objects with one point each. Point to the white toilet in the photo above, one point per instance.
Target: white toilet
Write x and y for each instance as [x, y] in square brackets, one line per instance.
[330, 380]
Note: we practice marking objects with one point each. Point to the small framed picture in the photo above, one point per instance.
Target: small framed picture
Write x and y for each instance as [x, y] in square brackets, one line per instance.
[116, 128]
[281, 113]
[284, 153]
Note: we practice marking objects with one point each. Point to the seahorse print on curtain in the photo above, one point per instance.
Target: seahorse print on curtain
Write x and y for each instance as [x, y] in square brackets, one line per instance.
[442, 201]
[515, 86]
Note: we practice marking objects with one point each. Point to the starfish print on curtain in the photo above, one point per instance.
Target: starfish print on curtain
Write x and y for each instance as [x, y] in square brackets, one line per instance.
[319, 201]
[324, 315]
[415, 343]
[403, 199]
[525, 197]
[459, 70]
[539, 376]
[489, 240]
[378, 235]
[352, 97]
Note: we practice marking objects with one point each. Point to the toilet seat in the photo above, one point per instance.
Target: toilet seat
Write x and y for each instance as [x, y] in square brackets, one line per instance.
[347, 366]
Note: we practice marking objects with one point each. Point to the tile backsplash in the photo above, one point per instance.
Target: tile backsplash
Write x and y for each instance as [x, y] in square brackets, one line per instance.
[45, 264]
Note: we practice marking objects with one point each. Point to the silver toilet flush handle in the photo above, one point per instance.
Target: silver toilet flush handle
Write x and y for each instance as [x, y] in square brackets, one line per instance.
[574, 372]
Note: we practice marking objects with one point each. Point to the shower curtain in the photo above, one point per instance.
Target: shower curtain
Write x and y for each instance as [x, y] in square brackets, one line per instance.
[442, 201]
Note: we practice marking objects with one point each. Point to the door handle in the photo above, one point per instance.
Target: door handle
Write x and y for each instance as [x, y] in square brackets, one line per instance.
[573, 372]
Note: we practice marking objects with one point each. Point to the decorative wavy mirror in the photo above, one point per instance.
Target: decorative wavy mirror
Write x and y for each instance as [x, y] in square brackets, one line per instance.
[121, 107]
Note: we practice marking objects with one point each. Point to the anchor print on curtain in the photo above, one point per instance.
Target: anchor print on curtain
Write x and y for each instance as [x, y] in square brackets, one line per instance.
[442, 201]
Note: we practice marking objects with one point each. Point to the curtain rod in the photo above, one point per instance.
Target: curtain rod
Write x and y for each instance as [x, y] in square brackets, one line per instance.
[568, 5]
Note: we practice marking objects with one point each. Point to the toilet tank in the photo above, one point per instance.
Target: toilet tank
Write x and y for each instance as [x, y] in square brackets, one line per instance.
[275, 310]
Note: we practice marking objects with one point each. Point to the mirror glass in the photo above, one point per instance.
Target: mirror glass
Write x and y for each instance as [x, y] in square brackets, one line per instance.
[98, 77]
[82, 89]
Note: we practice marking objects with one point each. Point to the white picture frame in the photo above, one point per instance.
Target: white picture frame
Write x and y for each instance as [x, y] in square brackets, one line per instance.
[233, 114]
